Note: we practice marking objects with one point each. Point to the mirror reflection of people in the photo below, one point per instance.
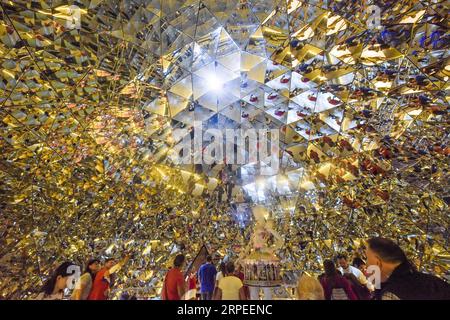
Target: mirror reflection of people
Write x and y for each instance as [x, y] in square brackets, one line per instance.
[84, 284]
[102, 283]
[174, 286]
[53, 288]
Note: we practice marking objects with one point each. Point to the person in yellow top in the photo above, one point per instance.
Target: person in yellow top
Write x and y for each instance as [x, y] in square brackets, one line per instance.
[230, 287]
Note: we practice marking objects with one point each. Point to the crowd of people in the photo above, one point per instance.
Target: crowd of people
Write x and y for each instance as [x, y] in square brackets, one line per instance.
[398, 278]
[387, 275]
[225, 284]
[94, 284]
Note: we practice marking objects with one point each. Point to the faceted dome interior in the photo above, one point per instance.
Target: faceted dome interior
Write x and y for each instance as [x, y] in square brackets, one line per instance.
[92, 110]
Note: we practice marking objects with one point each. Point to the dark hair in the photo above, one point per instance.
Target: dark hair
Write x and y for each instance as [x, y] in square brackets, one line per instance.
[208, 258]
[387, 250]
[124, 296]
[108, 260]
[63, 271]
[223, 268]
[330, 268]
[341, 256]
[230, 267]
[331, 273]
[88, 264]
[358, 262]
[179, 259]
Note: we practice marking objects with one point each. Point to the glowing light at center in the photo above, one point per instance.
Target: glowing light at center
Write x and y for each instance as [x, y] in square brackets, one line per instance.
[214, 83]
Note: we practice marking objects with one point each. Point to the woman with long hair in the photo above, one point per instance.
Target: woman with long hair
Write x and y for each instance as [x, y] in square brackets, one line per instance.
[53, 288]
[84, 284]
[335, 286]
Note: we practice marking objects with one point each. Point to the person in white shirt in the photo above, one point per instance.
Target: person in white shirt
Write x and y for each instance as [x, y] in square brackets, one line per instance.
[345, 267]
[222, 272]
[84, 284]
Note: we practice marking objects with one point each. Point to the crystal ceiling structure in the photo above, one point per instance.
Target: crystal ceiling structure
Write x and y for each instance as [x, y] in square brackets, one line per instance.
[92, 110]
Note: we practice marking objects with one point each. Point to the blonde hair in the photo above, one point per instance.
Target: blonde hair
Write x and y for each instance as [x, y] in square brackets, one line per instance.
[309, 288]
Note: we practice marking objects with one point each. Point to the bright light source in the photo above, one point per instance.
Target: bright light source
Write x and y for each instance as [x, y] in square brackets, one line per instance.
[197, 50]
[214, 83]
[260, 183]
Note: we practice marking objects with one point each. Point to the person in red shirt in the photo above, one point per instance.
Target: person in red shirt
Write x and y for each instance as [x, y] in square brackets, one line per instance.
[102, 281]
[174, 285]
[191, 294]
[193, 280]
[238, 273]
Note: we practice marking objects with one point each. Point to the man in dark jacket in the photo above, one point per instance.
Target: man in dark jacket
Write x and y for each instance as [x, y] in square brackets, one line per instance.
[399, 278]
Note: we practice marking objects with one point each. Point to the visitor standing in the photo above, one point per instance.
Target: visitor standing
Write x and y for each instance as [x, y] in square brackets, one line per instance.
[84, 284]
[230, 287]
[238, 273]
[360, 264]
[207, 277]
[222, 272]
[174, 285]
[335, 286]
[346, 268]
[399, 278]
[101, 286]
